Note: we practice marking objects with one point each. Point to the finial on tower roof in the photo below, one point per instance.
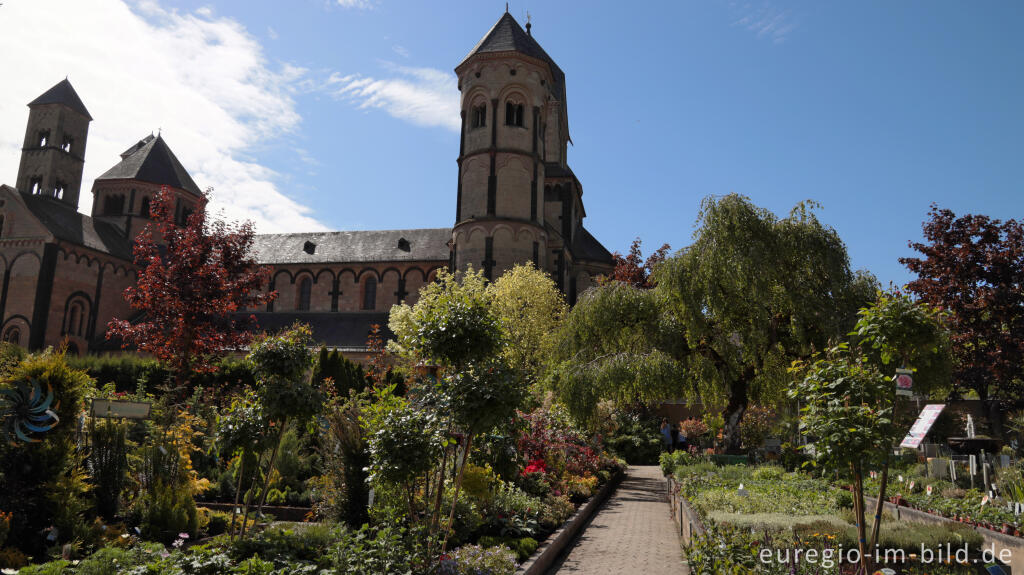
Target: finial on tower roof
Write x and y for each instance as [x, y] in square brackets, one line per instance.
[506, 7]
[528, 24]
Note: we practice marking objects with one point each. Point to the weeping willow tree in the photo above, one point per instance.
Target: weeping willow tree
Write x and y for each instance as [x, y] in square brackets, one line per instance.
[728, 315]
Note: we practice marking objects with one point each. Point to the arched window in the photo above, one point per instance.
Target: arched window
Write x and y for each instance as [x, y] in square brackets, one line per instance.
[478, 117]
[370, 293]
[513, 114]
[305, 290]
[144, 210]
[13, 335]
[75, 319]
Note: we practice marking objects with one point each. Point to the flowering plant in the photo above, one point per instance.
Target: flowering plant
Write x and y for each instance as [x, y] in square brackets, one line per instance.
[536, 466]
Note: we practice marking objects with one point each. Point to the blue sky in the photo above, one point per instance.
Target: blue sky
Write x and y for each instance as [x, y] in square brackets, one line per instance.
[318, 114]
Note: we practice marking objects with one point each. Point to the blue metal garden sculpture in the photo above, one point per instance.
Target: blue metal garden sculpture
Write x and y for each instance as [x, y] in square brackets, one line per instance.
[25, 411]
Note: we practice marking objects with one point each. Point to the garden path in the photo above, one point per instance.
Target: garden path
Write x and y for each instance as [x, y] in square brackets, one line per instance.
[631, 534]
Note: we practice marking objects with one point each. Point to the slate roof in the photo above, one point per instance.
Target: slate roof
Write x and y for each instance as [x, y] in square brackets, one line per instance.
[586, 247]
[66, 223]
[356, 246]
[508, 36]
[64, 94]
[151, 160]
[333, 329]
[555, 170]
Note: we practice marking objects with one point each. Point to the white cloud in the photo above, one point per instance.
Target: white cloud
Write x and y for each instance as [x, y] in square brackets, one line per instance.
[271, 33]
[138, 67]
[360, 4]
[422, 96]
[766, 20]
[400, 50]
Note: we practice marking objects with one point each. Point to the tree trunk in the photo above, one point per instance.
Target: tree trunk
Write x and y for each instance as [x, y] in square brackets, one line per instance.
[247, 498]
[876, 524]
[270, 468]
[858, 507]
[734, 411]
[455, 498]
[238, 492]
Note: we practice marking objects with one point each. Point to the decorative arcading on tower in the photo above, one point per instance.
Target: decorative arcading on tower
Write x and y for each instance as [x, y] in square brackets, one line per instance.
[53, 155]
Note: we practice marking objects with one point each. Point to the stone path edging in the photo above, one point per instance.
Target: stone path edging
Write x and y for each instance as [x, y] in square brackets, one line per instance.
[544, 557]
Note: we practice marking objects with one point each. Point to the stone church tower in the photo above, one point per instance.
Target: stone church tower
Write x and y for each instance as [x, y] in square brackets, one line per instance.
[53, 154]
[517, 200]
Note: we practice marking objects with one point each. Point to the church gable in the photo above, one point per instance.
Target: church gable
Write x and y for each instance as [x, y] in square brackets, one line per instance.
[17, 221]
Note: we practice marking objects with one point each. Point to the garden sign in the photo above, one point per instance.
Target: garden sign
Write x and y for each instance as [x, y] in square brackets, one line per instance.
[923, 424]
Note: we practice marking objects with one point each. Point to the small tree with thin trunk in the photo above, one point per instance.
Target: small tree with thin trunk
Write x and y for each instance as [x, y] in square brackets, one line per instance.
[192, 280]
[283, 365]
[847, 409]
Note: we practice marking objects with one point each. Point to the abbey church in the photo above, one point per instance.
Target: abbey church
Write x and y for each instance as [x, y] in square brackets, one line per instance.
[517, 201]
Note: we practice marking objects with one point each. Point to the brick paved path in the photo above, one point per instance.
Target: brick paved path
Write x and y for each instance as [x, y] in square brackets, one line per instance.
[632, 533]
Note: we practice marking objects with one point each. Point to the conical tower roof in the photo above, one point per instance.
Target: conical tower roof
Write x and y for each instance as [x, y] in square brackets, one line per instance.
[151, 160]
[62, 93]
[508, 36]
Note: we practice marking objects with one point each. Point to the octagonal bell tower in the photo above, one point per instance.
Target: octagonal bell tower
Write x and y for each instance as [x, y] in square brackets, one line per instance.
[509, 88]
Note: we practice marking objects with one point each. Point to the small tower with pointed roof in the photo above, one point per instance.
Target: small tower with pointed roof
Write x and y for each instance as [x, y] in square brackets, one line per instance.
[122, 195]
[53, 154]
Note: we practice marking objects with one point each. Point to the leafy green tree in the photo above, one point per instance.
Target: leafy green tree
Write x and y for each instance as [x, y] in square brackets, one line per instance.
[897, 331]
[530, 308]
[451, 323]
[847, 407]
[727, 316]
[283, 365]
[617, 343]
[753, 292]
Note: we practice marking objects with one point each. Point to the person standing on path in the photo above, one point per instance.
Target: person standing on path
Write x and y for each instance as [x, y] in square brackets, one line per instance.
[666, 434]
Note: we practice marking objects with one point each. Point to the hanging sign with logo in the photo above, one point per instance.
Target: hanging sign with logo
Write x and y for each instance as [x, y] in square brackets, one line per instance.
[904, 379]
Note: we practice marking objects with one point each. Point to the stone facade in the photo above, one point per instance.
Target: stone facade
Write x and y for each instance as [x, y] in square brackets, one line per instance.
[517, 201]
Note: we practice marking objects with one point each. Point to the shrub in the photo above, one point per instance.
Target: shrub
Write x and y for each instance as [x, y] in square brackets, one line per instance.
[523, 547]
[768, 473]
[476, 560]
[555, 511]
[636, 439]
[385, 551]
[478, 482]
[59, 567]
[216, 522]
[165, 512]
[45, 483]
[282, 546]
[844, 499]
[12, 558]
[344, 493]
[757, 423]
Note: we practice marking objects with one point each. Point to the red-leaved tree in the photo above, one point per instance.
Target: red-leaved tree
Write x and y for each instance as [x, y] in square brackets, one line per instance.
[973, 267]
[192, 280]
[633, 269]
